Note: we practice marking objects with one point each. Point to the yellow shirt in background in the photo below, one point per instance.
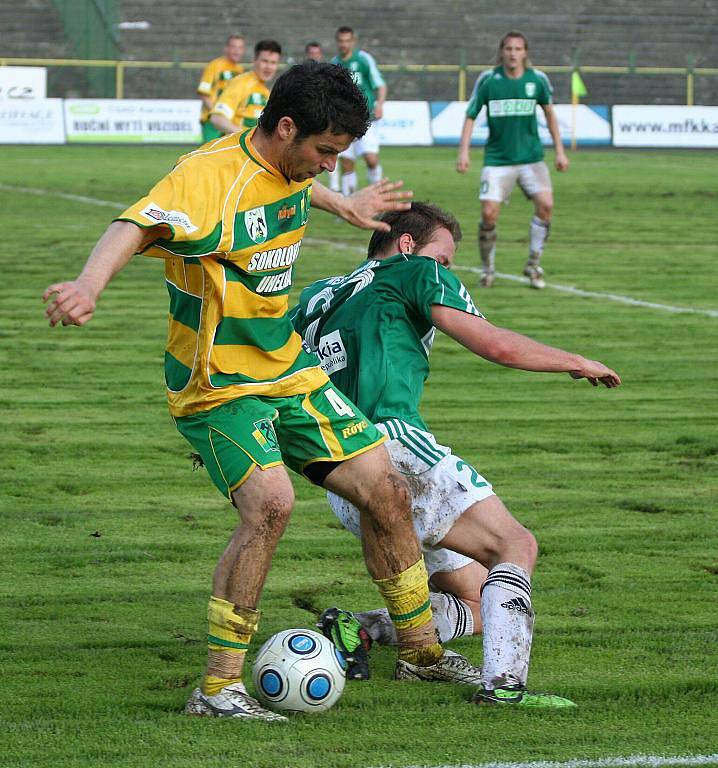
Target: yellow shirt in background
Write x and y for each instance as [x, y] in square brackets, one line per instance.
[242, 100]
[214, 80]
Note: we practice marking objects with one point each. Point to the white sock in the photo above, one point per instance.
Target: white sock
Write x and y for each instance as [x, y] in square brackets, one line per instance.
[335, 179]
[538, 234]
[349, 183]
[452, 617]
[508, 620]
[374, 174]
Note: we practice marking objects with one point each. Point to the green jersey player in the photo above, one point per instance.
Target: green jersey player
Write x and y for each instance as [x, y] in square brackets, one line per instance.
[510, 93]
[373, 330]
[366, 75]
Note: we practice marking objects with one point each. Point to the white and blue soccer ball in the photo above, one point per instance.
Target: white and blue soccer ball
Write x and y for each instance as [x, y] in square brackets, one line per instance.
[299, 670]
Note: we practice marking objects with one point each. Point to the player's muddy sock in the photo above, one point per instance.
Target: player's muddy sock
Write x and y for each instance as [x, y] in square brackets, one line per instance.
[230, 630]
[508, 619]
[335, 179]
[349, 183]
[538, 235]
[407, 597]
[374, 174]
[487, 247]
[452, 617]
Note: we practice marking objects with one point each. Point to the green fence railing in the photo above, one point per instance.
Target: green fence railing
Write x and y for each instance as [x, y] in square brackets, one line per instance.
[91, 27]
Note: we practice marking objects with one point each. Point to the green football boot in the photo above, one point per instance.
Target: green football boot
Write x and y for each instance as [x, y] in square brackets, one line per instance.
[518, 696]
[350, 638]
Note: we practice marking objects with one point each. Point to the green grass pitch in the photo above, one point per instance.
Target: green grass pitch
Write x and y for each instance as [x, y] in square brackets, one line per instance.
[109, 539]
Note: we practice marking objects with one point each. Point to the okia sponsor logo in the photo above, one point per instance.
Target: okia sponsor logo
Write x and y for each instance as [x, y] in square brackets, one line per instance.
[275, 283]
[256, 224]
[353, 429]
[274, 258]
[161, 216]
[332, 354]
[509, 107]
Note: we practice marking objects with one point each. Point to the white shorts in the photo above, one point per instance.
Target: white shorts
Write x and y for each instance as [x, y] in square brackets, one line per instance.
[498, 181]
[367, 145]
[440, 495]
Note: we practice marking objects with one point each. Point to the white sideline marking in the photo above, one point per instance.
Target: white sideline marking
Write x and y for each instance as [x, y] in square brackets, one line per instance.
[632, 761]
[555, 286]
[358, 249]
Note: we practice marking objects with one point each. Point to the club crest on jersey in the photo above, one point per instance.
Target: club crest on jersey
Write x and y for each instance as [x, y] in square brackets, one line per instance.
[255, 222]
[530, 89]
[265, 435]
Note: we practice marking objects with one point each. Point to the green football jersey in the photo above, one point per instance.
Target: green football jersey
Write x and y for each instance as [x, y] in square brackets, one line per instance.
[372, 330]
[511, 114]
[365, 74]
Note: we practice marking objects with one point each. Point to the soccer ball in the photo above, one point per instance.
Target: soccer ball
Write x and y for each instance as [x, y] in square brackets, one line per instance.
[300, 671]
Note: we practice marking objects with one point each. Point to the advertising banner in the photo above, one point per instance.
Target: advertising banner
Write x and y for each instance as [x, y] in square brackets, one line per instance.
[23, 83]
[137, 121]
[592, 124]
[639, 126]
[31, 121]
[406, 123]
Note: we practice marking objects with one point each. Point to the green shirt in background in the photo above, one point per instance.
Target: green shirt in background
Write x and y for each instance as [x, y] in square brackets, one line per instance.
[365, 74]
[511, 114]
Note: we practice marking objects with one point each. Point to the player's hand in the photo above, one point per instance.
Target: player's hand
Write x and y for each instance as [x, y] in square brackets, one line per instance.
[362, 207]
[378, 111]
[70, 303]
[561, 162]
[462, 162]
[596, 373]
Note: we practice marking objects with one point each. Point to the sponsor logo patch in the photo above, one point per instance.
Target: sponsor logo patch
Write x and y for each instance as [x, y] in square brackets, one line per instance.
[160, 216]
[255, 223]
[331, 352]
[353, 429]
[530, 89]
[286, 212]
[517, 604]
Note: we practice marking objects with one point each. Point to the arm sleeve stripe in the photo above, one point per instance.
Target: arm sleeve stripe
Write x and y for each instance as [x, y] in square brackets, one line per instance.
[377, 80]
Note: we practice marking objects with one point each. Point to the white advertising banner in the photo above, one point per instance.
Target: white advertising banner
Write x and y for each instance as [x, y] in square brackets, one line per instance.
[31, 121]
[641, 126]
[592, 124]
[111, 121]
[23, 83]
[405, 123]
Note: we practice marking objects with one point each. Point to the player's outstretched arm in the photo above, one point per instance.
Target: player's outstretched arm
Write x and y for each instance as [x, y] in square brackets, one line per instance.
[463, 161]
[73, 302]
[553, 129]
[514, 350]
[361, 208]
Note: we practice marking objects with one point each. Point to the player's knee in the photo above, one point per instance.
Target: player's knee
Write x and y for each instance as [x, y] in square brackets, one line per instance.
[388, 501]
[270, 516]
[544, 211]
[489, 217]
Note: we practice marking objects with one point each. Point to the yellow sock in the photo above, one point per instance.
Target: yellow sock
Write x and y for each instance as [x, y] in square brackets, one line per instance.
[230, 631]
[406, 595]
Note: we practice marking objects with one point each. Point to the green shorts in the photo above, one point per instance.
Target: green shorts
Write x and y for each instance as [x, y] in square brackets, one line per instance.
[234, 438]
[209, 132]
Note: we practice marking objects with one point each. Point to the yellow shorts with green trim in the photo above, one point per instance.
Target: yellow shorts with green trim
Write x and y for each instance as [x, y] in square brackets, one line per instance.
[264, 432]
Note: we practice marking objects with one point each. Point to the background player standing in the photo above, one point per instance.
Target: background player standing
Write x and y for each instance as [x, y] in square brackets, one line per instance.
[214, 79]
[367, 76]
[243, 100]
[513, 153]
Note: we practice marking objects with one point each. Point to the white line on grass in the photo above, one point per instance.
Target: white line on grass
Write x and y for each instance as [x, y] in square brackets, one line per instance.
[358, 249]
[632, 761]
[554, 286]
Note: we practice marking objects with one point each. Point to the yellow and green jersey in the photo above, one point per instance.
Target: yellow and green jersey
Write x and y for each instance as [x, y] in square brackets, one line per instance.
[231, 228]
[243, 100]
[511, 114]
[214, 80]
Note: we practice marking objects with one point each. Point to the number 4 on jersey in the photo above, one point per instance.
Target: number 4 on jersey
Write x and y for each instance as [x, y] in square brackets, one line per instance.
[338, 404]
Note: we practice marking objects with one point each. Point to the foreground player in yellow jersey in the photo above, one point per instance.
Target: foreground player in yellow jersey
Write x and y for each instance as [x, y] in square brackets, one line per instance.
[243, 389]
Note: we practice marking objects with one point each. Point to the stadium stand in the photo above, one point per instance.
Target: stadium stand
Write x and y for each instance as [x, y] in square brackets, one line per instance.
[594, 32]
